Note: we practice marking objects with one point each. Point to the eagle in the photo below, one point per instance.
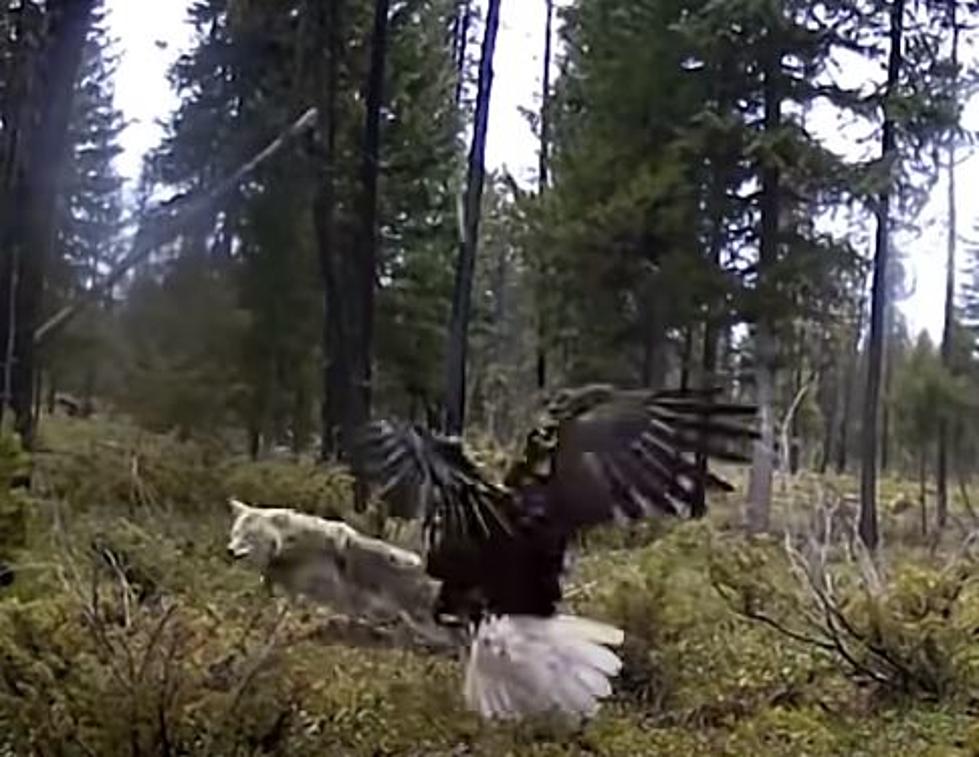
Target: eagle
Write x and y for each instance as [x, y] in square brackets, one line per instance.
[598, 454]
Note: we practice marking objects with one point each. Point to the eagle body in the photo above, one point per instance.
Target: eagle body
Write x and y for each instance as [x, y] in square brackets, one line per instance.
[512, 570]
[597, 455]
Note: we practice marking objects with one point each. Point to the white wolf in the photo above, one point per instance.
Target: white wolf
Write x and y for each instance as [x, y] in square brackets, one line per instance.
[332, 563]
[517, 665]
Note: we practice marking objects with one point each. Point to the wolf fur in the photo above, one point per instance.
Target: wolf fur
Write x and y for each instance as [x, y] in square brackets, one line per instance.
[519, 665]
[330, 562]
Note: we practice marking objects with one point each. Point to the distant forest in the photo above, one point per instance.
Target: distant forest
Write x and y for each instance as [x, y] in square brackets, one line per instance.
[678, 234]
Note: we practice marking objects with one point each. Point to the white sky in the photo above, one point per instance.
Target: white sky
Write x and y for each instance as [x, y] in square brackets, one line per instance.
[144, 95]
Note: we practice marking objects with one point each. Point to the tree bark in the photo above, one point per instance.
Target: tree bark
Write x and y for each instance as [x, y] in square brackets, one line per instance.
[364, 265]
[686, 359]
[941, 507]
[35, 190]
[871, 405]
[460, 40]
[762, 464]
[542, 178]
[715, 206]
[846, 400]
[334, 343]
[760, 481]
[462, 293]
[652, 356]
[889, 360]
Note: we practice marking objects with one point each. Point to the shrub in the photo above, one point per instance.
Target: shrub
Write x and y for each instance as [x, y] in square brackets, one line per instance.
[688, 659]
[909, 633]
[100, 464]
[13, 502]
[305, 486]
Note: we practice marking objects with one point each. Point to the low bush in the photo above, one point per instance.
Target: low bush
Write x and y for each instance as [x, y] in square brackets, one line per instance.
[304, 485]
[14, 503]
[909, 632]
[135, 634]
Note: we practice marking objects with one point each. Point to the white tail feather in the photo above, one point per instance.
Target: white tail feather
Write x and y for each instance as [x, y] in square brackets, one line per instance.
[523, 665]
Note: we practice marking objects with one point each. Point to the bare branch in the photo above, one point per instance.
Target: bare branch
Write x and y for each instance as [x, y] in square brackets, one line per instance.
[787, 423]
[166, 222]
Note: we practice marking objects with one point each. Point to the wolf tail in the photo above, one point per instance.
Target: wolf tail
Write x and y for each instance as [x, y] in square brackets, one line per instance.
[522, 665]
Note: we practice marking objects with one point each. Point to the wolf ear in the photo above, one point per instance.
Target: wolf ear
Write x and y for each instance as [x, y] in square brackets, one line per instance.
[237, 506]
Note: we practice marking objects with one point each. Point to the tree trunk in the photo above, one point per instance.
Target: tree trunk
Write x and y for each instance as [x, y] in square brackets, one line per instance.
[830, 402]
[922, 493]
[334, 342]
[725, 358]
[889, 359]
[52, 391]
[88, 389]
[11, 274]
[941, 507]
[760, 481]
[686, 360]
[762, 464]
[254, 443]
[38, 394]
[653, 364]
[495, 385]
[364, 265]
[35, 192]
[964, 492]
[460, 40]
[462, 294]
[545, 127]
[795, 443]
[843, 447]
[871, 405]
[715, 205]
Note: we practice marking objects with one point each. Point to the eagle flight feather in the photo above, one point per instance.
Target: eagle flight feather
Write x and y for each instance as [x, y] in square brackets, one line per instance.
[598, 454]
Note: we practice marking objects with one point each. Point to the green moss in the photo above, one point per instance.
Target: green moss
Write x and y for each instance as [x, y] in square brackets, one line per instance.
[209, 648]
[13, 503]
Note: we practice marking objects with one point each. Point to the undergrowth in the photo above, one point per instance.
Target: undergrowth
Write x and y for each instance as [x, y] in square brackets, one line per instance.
[129, 632]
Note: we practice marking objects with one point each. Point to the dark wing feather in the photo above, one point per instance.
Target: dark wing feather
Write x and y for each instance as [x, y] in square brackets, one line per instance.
[423, 475]
[630, 454]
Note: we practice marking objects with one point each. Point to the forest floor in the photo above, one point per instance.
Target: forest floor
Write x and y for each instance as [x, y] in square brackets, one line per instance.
[129, 632]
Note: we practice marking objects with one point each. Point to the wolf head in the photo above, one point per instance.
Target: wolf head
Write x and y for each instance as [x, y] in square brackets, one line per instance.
[261, 534]
[255, 537]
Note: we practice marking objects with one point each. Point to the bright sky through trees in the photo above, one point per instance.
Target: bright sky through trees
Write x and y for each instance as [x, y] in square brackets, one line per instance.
[151, 34]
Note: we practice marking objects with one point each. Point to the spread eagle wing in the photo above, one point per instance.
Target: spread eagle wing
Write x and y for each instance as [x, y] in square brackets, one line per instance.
[608, 454]
[428, 476]
[598, 453]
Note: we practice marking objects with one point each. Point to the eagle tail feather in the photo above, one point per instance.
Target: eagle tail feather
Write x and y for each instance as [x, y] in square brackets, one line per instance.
[522, 665]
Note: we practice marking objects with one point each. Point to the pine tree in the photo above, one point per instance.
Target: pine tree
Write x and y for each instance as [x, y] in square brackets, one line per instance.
[91, 212]
[254, 68]
[38, 144]
[456, 351]
[917, 108]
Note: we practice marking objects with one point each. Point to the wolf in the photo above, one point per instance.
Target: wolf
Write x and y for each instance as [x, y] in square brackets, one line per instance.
[332, 563]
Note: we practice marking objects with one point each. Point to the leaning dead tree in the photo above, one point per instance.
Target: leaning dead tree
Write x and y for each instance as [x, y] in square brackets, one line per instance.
[167, 220]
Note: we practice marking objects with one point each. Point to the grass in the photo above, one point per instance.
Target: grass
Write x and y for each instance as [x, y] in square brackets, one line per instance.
[198, 659]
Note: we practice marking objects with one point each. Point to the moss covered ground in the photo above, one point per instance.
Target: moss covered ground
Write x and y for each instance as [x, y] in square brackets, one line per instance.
[127, 631]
